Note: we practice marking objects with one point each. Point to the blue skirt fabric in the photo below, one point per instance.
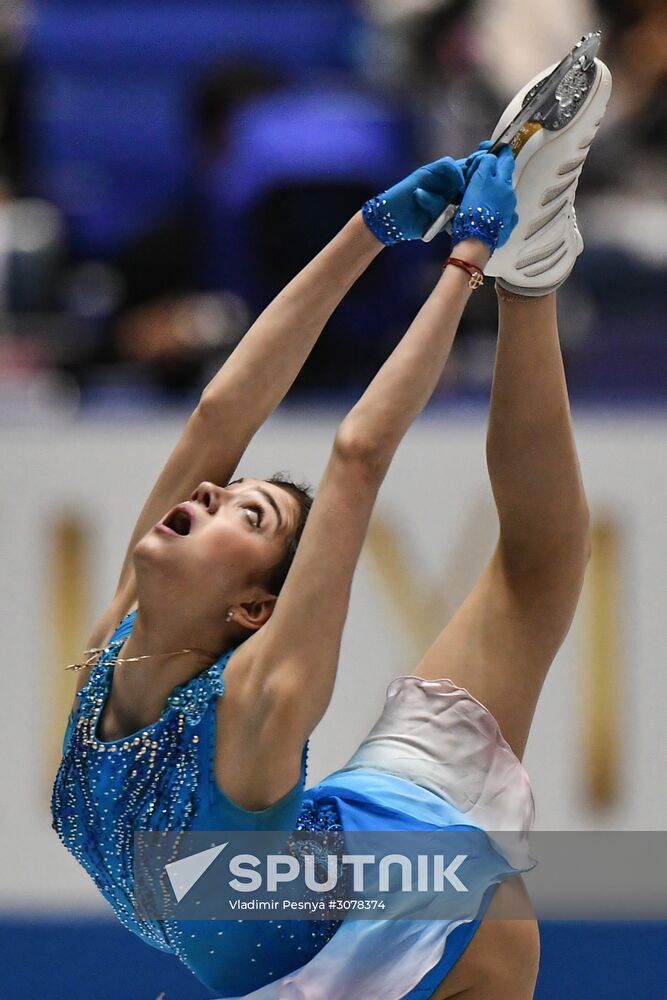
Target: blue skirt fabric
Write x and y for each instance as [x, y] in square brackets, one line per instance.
[396, 958]
[434, 761]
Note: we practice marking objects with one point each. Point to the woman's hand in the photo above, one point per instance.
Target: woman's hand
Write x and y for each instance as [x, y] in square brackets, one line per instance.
[406, 210]
[470, 163]
[488, 208]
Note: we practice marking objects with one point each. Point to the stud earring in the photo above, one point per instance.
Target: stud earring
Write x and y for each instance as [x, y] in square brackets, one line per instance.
[230, 615]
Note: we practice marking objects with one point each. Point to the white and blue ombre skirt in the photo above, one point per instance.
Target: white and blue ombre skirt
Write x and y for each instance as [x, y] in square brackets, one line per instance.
[435, 760]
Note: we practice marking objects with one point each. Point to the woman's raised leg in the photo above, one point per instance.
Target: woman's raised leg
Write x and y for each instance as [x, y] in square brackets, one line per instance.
[502, 640]
[504, 637]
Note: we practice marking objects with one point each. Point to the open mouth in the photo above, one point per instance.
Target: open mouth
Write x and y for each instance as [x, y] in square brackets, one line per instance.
[178, 521]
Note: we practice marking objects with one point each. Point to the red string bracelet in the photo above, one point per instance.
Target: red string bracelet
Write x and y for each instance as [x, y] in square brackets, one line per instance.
[475, 272]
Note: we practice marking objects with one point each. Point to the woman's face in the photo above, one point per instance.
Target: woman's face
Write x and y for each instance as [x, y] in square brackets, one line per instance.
[225, 537]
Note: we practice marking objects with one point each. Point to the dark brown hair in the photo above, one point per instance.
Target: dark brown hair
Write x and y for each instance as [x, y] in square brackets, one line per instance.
[303, 494]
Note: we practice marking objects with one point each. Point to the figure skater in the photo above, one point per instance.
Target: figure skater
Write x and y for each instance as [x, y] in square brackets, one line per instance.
[194, 712]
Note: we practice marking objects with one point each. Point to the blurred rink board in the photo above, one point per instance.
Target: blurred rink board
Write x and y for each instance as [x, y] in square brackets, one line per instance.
[69, 498]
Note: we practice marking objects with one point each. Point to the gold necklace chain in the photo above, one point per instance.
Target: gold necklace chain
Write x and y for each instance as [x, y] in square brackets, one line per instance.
[88, 662]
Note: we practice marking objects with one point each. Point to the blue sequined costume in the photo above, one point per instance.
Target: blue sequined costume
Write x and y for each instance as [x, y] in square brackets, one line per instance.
[162, 778]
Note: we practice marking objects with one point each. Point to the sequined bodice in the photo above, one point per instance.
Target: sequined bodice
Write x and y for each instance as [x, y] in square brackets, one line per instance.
[159, 778]
[104, 791]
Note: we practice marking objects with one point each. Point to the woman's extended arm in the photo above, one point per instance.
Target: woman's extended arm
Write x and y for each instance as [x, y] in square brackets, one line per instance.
[297, 650]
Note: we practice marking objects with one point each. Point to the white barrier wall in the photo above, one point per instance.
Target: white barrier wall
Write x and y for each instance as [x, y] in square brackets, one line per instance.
[598, 751]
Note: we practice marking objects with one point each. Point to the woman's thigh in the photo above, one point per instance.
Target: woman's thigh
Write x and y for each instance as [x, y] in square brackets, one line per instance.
[501, 641]
[502, 959]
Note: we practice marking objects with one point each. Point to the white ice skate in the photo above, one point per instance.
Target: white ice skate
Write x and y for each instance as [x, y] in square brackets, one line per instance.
[550, 126]
[550, 154]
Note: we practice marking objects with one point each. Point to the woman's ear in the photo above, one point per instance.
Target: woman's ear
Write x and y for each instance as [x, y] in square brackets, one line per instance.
[253, 614]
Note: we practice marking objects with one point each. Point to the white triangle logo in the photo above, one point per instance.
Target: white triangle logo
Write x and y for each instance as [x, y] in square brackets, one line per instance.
[184, 873]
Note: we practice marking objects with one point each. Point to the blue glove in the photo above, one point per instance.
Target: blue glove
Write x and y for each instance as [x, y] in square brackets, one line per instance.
[488, 208]
[409, 208]
[470, 163]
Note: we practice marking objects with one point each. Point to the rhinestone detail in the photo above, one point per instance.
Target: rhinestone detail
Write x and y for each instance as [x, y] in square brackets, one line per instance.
[479, 223]
[381, 222]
